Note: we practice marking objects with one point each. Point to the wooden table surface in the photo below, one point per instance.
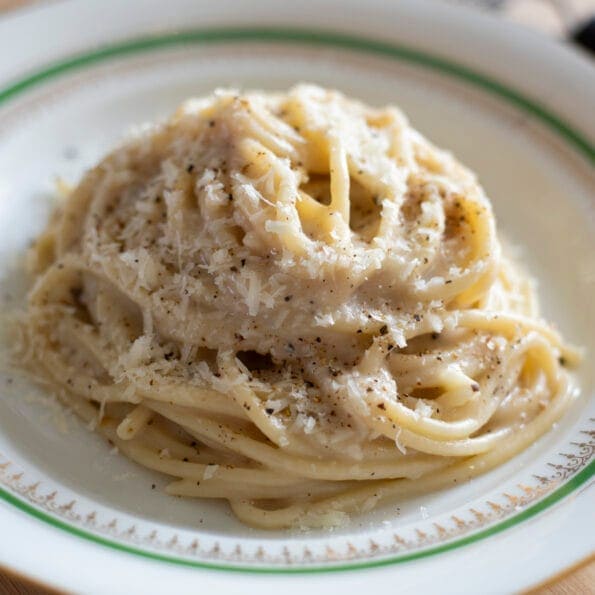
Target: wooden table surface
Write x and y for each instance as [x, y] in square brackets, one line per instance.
[552, 17]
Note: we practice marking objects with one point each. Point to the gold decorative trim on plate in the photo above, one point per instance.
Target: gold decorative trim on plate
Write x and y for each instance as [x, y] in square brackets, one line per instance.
[458, 525]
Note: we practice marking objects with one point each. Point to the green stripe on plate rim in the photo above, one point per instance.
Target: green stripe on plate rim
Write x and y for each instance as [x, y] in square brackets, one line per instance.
[320, 38]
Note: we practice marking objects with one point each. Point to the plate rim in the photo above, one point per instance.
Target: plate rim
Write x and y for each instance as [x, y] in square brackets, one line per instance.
[316, 37]
[574, 483]
[319, 37]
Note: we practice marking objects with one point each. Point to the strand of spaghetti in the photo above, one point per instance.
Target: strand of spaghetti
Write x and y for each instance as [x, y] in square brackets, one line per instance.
[438, 429]
[237, 489]
[277, 460]
[134, 422]
[339, 181]
[157, 437]
[509, 324]
[195, 471]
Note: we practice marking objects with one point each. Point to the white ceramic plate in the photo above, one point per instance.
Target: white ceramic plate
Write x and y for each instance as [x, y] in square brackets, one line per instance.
[513, 106]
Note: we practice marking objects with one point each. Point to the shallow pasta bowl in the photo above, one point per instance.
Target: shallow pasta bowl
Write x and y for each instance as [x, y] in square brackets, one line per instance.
[514, 107]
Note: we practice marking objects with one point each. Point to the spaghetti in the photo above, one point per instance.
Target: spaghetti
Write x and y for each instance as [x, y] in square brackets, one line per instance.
[293, 302]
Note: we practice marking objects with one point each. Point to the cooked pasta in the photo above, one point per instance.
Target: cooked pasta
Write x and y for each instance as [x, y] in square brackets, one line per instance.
[294, 302]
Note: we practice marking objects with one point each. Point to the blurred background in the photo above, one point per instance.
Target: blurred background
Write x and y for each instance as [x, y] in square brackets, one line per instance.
[559, 18]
